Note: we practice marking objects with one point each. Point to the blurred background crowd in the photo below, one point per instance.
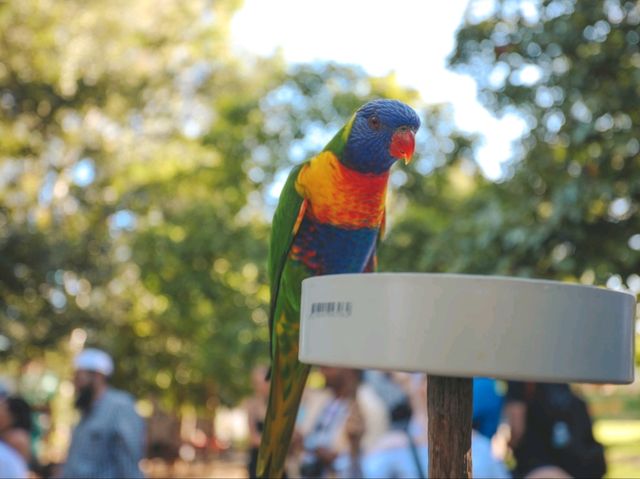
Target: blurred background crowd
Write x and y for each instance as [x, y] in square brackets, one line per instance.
[351, 424]
[141, 157]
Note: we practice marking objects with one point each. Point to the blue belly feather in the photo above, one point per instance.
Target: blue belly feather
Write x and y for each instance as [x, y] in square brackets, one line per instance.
[328, 249]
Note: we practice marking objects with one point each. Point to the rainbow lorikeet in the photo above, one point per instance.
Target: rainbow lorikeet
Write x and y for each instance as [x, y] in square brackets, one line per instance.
[329, 217]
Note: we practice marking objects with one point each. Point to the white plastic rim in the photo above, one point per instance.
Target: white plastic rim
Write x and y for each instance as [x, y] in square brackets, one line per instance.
[467, 325]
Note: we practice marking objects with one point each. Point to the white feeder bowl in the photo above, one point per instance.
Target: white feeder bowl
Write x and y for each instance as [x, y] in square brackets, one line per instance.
[466, 325]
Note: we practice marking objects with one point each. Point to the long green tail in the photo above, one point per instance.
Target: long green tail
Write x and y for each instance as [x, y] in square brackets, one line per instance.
[288, 375]
[288, 378]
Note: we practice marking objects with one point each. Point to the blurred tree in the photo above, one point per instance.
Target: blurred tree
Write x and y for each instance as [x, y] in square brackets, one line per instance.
[207, 255]
[567, 206]
[140, 159]
[110, 196]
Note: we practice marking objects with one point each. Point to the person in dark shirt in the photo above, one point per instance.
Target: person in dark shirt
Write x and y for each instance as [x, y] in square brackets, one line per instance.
[15, 431]
[256, 407]
[551, 432]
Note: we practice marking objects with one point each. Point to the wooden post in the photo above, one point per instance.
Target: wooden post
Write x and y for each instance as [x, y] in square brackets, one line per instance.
[449, 408]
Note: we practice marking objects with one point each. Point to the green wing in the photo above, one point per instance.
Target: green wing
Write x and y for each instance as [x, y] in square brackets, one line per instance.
[372, 264]
[285, 222]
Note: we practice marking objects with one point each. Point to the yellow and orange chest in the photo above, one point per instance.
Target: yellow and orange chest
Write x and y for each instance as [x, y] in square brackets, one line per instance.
[340, 196]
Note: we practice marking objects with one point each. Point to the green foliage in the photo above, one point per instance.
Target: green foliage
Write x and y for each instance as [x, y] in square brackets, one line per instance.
[123, 188]
[140, 158]
[566, 208]
[137, 153]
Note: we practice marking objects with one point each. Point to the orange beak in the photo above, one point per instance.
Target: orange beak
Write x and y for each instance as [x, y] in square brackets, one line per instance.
[403, 144]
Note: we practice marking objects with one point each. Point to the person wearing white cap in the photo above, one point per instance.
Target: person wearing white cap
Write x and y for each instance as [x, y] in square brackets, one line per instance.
[108, 442]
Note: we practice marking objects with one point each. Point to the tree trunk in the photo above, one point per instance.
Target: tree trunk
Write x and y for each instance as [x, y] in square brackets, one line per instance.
[449, 408]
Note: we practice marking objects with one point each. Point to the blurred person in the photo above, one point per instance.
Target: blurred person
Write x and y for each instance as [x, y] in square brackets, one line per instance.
[108, 441]
[15, 433]
[397, 453]
[339, 423]
[403, 451]
[12, 464]
[256, 407]
[4, 389]
[16, 425]
[487, 405]
[163, 435]
[551, 432]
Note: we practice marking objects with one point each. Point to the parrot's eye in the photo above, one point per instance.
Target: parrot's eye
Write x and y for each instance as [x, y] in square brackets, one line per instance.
[374, 123]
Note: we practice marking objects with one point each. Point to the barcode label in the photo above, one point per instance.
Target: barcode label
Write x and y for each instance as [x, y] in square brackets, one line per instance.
[332, 308]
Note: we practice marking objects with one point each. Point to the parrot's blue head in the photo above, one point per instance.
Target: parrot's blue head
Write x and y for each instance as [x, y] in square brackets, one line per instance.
[382, 131]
